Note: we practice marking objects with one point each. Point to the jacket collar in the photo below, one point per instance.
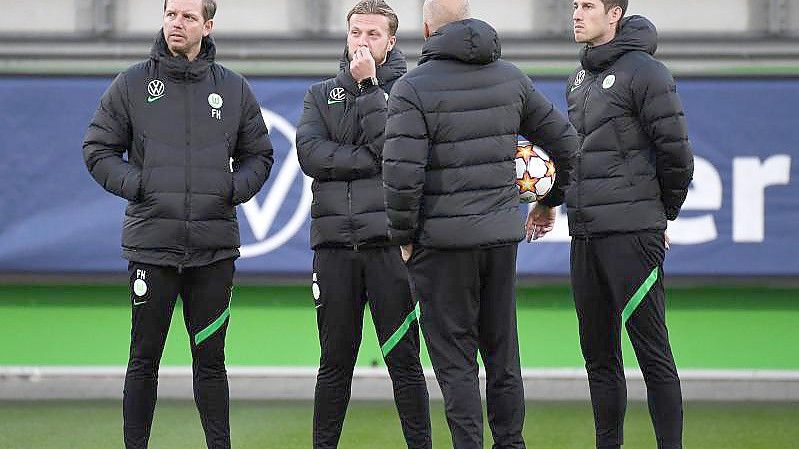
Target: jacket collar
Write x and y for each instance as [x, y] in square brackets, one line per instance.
[471, 41]
[636, 33]
[178, 68]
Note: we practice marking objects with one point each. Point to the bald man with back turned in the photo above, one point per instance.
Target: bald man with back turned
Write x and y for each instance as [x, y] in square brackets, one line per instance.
[453, 206]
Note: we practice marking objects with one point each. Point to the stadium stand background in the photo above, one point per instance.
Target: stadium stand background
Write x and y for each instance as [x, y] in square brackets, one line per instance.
[280, 37]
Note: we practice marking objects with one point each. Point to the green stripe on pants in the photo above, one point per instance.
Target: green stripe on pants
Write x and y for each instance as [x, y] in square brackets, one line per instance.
[639, 295]
[400, 332]
[213, 327]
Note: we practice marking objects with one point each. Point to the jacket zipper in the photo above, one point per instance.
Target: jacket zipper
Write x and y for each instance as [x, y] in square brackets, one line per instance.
[348, 111]
[187, 200]
[580, 160]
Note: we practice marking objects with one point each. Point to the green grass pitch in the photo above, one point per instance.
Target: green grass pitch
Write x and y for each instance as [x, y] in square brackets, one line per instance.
[369, 425]
[710, 327]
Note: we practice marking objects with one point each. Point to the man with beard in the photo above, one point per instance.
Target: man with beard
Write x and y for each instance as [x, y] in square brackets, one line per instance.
[452, 202]
[339, 144]
[632, 176]
[181, 118]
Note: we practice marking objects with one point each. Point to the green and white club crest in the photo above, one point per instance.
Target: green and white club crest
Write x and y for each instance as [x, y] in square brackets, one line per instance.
[215, 100]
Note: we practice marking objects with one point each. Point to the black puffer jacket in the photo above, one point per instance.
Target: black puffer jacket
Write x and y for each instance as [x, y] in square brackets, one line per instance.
[451, 139]
[635, 162]
[177, 176]
[339, 144]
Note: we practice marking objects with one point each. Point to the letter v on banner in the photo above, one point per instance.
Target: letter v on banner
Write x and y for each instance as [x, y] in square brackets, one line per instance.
[261, 216]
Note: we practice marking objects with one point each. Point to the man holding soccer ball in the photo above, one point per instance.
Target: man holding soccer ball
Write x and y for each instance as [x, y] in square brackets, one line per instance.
[632, 176]
[453, 204]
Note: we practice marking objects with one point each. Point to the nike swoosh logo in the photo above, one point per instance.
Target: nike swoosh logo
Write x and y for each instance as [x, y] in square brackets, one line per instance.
[334, 101]
[138, 303]
[151, 99]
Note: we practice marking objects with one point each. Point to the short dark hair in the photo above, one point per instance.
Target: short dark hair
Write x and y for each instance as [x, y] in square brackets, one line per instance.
[609, 4]
[379, 7]
[209, 9]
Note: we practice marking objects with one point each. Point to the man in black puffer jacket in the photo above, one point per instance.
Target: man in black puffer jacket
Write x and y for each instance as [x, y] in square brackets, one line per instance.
[339, 144]
[181, 118]
[632, 175]
[448, 167]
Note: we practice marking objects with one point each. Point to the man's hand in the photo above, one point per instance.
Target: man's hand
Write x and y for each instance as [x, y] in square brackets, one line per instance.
[406, 250]
[363, 64]
[540, 220]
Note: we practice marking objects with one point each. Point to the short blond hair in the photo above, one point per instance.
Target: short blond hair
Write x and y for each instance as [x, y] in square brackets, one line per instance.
[378, 7]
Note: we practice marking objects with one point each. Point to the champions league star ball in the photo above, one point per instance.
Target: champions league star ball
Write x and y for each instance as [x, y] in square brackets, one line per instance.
[535, 172]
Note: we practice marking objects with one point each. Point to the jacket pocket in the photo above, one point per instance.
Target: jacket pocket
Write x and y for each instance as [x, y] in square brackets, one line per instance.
[628, 168]
[229, 151]
[653, 246]
[212, 181]
[416, 254]
[144, 170]
[623, 130]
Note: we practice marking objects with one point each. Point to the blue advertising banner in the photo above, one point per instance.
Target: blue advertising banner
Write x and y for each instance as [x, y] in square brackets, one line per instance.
[738, 219]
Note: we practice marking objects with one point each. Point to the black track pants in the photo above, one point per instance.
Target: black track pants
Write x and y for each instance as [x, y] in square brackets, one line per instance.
[618, 279]
[206, 293]
[468, 303]
[344, 281]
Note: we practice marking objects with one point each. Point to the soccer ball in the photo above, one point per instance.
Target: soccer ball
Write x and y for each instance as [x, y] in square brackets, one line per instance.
[535, 172]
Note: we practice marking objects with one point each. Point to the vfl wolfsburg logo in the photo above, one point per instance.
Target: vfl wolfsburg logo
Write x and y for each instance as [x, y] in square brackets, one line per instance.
[337, 95]
[215, 100]
[156, 90]
[609, 81]
[140, 287]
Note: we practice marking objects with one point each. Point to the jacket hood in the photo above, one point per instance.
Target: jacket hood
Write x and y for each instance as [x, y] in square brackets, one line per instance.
[471, 41]
[179, 68]
[390, 71]
[636, 33]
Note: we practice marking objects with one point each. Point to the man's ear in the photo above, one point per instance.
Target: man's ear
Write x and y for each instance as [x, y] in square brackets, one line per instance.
[615, 15]
[207, 27]
[392, 41]
[426, 31]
